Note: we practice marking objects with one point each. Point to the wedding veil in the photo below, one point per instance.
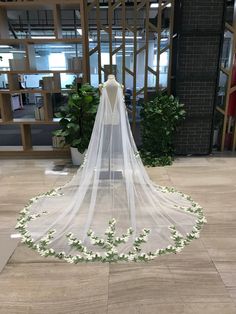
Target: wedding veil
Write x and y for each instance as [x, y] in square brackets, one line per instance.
[110, 210]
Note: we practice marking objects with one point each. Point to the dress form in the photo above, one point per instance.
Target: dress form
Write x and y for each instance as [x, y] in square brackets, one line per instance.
[112, 88]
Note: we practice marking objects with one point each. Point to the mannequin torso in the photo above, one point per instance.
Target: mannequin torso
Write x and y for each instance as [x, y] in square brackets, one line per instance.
[111, 86]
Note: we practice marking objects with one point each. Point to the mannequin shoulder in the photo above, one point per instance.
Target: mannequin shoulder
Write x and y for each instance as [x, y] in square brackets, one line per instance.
[100, 87]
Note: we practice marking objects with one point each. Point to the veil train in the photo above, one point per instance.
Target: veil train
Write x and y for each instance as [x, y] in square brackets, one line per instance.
[110, 211]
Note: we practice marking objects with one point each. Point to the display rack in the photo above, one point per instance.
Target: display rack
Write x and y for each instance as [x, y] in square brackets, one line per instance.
[28, 66]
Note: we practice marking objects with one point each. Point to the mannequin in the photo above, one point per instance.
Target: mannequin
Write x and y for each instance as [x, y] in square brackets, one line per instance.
[111, 85]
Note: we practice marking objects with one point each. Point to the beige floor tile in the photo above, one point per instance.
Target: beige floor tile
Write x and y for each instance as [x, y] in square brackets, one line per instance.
[55, 287]
[206, 308]
[141, 284]
[173, 308]
[199, 280]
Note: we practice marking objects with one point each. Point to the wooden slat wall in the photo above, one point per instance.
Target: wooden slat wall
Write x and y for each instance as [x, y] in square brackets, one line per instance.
[114, 5]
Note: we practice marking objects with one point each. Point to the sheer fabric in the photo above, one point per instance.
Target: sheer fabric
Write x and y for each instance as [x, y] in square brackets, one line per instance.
[111, 184]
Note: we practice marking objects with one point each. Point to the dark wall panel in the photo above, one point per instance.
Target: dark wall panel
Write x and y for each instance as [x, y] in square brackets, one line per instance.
[199, 31]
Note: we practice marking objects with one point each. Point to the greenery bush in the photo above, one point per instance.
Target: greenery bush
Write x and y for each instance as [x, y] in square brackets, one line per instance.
[159, 119]
[77, 118]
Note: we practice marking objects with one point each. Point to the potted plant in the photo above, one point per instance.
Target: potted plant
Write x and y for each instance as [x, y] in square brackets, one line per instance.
[77, 120]
[159, 119]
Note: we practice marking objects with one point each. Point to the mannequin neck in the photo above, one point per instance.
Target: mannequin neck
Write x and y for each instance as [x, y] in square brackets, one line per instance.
[111, 77]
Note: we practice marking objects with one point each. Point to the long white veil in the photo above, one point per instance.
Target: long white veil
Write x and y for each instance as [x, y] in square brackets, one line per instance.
[110, 210]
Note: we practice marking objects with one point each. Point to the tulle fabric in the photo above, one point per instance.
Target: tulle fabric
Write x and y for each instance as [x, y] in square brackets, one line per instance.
[112, 183]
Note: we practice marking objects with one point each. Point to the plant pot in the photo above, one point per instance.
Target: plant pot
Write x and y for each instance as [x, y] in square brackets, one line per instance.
[58, 141]
[76, 156]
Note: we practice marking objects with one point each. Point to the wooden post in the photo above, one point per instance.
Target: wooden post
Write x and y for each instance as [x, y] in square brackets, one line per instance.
[47, 105]
[4, 30]
[85, 39]
[57, 20]
[26, 136]
[5, 107]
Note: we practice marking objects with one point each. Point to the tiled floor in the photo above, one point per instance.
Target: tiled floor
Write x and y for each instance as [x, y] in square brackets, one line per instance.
[200, 280]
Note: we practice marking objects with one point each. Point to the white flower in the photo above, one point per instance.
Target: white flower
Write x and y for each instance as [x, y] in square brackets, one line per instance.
[130, 257]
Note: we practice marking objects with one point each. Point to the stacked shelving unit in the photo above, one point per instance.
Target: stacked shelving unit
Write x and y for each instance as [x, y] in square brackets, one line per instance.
[27, 66]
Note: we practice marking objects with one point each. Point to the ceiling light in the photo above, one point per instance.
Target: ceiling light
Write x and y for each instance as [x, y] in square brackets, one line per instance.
[129, 45]
[16, 51]
[61, 46]
[5, 46]
[79, 30]
[156, 5]
[43, 37]
[128, 37]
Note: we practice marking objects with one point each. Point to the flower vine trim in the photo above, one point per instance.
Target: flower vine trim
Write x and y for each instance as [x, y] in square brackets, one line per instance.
[110, 242]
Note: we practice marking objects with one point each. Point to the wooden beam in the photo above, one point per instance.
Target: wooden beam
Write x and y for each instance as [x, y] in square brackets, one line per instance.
[141, 49]
[141, 5]
[220, 110]
[129, 71]
[117, 49]
[92, 51]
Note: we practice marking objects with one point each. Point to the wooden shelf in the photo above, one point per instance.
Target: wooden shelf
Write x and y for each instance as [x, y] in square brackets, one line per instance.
[29, 122]
[35, 151]
[28, 65]
[33, 91]
[40, 72]
[36, 5]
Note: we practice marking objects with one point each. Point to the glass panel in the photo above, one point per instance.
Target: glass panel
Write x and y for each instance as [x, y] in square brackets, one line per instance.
[71, 23]
[152, 51]
[67, 80]
[10, 135]
[94, 78]
[165, 26]
[163, 69]
[35, 81]
[140, 70]
[222, 89]
[227, 49]
[58, 57]
[229, 12]
[93, 42]
[42, 134]
[151, 80]
[30, 23]
[129, 81]
[218, 126]
[23, 105]
[3, 81]
[117, 60]
[12, 58]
